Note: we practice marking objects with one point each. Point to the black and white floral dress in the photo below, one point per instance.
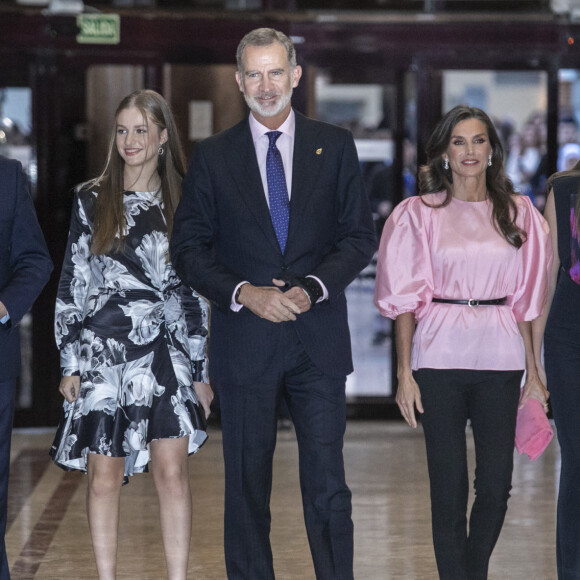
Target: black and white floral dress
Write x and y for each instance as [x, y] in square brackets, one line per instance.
[136, 336]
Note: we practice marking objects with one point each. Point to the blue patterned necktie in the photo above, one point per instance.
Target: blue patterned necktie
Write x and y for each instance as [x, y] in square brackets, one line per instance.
[277, 190]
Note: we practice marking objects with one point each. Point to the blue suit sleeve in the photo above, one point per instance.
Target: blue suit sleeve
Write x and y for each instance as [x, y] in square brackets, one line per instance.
[29, 261]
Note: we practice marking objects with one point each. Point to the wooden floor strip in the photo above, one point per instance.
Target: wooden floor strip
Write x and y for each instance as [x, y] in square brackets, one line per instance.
[25, 473]
[43, 532]
[385, 461]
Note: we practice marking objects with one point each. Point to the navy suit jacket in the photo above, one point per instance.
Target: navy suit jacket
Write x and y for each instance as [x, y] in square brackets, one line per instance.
[223, 235]
[25, 264]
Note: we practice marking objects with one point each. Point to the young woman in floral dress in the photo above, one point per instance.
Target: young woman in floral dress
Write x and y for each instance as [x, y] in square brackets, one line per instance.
[132, 337]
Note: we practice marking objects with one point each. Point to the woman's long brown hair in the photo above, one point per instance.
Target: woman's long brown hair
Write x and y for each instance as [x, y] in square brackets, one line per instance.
[110, 220]
[433, 177]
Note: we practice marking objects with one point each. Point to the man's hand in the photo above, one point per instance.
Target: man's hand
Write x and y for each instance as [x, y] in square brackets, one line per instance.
[269, 303]
[3, 311]
[296, 294]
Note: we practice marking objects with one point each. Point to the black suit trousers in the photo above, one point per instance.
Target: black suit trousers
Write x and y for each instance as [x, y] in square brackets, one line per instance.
[7, 389]
[249, 422]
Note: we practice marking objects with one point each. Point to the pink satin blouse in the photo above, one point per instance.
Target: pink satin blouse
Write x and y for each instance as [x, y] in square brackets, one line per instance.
[455, 252]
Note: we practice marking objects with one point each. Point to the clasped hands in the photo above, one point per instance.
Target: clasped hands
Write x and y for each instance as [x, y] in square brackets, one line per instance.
[272, 304]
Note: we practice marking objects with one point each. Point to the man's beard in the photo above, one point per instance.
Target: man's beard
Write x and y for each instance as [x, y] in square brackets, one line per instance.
[259, 109]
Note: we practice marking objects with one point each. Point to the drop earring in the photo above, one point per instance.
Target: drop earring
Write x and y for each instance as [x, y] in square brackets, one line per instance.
[446, 164]
[489, 160]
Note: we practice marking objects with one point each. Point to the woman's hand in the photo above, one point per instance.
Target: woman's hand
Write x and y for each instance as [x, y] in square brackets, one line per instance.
[69, 388]
[409, 398]
[204, 395]
[534, 388]
[535, 385]
[408, 394]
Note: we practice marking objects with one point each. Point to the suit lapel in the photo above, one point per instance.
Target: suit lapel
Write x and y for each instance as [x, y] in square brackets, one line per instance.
[240, 158]
[307, 162]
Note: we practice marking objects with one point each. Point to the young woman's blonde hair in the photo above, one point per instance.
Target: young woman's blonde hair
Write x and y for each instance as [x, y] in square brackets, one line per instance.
[109, 223]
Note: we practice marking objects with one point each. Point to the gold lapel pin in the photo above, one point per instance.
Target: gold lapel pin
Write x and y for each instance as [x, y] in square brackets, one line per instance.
[319, 151]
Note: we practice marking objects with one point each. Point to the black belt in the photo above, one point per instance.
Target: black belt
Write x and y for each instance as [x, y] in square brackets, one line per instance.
[472, 301]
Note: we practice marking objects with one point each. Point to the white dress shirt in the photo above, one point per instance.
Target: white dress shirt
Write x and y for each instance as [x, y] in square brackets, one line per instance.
[285, 144]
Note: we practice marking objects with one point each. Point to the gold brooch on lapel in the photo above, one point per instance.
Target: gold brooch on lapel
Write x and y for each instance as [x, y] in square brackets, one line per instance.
[319, 151]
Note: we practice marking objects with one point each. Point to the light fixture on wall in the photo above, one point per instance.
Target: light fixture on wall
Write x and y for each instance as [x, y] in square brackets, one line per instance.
[33, 2]
[65, 7]
[565, 7]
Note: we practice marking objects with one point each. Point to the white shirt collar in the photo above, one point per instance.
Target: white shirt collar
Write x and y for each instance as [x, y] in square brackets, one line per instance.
[288, 127]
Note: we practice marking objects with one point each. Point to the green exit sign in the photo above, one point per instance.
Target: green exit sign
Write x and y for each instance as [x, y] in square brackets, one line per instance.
[99, 28]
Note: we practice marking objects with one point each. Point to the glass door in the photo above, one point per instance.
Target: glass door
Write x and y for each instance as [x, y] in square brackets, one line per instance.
[381, 117]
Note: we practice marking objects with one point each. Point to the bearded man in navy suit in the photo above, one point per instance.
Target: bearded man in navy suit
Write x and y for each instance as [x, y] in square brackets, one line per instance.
[25, 267]
[276, 276]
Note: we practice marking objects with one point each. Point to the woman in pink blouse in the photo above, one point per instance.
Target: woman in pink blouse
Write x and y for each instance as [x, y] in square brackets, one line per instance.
[462, 268]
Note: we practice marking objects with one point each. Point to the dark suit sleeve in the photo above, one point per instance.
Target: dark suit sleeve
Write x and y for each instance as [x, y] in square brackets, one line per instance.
[194, 235]
[355, 239]
[29, 261]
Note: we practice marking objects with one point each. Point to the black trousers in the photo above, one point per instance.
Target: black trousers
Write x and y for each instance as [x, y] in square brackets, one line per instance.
[490, 400]
[562, 356]
[563, 369]
[7, 389]
[317, 405]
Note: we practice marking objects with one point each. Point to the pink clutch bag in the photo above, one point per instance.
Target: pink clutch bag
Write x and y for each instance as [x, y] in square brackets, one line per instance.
[533, 430]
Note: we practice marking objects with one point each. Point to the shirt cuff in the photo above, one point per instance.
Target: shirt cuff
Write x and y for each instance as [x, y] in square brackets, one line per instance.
[324, 290]
[5, 319]
[235, 306]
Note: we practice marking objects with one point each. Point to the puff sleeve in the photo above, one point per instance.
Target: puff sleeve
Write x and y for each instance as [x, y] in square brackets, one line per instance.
[404, 280]
[535, 258]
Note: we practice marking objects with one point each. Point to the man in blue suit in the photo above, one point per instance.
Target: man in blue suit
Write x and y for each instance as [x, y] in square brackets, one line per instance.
[272, 226]
[25, 267]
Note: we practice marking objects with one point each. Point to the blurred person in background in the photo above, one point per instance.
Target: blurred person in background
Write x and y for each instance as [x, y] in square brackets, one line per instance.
[523, 158]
